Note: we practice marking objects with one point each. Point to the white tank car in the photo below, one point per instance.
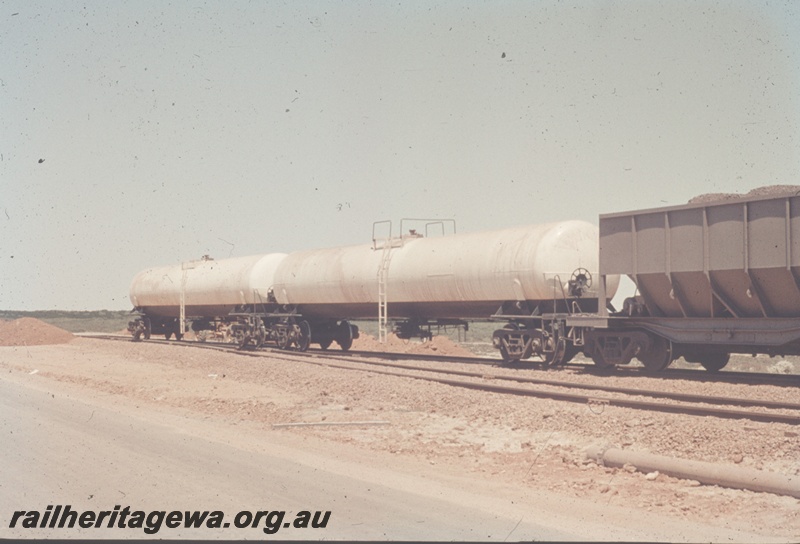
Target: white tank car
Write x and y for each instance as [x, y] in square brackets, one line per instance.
[212, 288]
[458, 276]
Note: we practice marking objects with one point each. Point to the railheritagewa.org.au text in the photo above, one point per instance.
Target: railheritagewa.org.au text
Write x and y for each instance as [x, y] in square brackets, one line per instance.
[151, 522]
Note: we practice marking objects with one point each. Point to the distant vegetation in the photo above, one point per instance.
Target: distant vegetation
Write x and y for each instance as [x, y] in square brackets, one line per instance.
[84, 321]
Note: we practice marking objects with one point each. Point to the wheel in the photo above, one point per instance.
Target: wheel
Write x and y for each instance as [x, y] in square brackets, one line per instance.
[239, 337]
[570, 353]
[658, 356]
[528, 351]
[715, 362]
[259, 339]
[260, 334]
[504, 353]
[506, 357]
[303, 336]
[599, 360]
[137, 336]
[147, 328]
[283, 341]
[168, 335]
[345, 336]
[582, 276]
[580, 282]
[178, 336]
[325, 344]
[557, 356]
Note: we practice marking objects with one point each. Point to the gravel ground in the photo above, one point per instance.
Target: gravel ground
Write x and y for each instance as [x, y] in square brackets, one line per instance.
[528, 442]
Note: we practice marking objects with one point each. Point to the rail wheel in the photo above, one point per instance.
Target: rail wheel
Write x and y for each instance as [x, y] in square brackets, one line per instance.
[570, 353]
[283, 339]
[715, 362]
[325, 344]
[239, 337]
[556, 357]
[168, 335]
[345, 336]
[303, 336]
[600, 362]
[504, 353]
[506, 357]
[658, 356]
[259, 339]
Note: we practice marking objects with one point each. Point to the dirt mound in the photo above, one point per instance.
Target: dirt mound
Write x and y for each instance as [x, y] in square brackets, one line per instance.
[767, 190]
[27, 331]
[773, 190]
[439, 345]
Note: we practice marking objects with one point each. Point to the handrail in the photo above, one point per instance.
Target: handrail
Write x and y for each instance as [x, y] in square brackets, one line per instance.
[428, 222]
[375, 238]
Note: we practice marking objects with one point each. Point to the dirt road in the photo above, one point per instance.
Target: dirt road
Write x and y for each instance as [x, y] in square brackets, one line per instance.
[97, 424]
[65, 451]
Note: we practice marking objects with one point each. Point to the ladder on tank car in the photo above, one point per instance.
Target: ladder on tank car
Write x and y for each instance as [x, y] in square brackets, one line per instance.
[388, 244]
[383, 295]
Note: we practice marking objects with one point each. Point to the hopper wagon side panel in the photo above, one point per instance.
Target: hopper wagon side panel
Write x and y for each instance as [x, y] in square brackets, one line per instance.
[737, 258]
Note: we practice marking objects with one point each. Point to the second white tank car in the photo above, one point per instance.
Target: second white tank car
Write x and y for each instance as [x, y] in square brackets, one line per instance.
[513, 275]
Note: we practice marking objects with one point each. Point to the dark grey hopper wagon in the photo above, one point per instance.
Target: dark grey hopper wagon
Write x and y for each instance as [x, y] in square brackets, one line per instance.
[713, 278]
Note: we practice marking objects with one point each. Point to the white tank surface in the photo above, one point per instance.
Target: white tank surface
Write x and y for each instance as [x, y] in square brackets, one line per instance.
[458, 276]
[212, 288]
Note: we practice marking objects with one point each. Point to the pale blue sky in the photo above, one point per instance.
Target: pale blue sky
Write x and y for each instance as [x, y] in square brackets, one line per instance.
[173, 130]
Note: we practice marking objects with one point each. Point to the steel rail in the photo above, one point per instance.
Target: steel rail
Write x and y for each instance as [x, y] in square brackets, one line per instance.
[724, 376]
[589, 399]
[556, 395]
[685, 397]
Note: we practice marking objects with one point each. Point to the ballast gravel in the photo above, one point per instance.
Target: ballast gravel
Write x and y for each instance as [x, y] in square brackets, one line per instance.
[536, 443]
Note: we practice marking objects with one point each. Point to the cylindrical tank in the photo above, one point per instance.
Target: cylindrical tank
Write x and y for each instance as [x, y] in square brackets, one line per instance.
[458, 276]
[212, 288]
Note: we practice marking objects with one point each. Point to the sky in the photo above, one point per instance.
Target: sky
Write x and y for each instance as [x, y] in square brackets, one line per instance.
[144, 133]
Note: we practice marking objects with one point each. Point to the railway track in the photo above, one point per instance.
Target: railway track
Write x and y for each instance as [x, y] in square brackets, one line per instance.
[702, 375]
[762, 410]
[725, 376]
